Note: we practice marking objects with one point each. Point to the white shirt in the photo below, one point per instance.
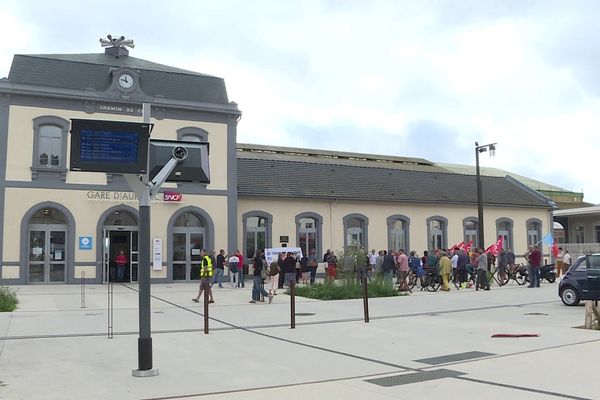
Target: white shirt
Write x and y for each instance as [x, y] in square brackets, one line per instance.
[454, 261]
[373, 258]
[567, 258]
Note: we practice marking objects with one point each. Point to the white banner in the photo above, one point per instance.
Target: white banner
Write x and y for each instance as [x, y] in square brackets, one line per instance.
[272, 253]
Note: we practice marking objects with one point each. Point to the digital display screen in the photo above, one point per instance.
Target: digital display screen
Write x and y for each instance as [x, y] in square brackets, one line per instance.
[113, 147]
[109, 146]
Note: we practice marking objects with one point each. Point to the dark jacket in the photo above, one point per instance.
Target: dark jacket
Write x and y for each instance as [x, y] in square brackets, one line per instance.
[388, 263]
[289, 265]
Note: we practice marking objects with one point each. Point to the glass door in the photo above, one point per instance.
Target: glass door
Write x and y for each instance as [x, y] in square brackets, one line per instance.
[47, 254]
[187, 245]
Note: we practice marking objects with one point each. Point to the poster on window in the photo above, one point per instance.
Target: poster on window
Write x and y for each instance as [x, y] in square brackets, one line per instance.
[157, 254]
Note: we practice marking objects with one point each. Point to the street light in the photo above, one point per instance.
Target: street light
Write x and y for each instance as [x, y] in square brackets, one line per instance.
[480, 149]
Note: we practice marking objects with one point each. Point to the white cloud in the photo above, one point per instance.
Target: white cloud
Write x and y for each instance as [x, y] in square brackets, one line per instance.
[518, 73]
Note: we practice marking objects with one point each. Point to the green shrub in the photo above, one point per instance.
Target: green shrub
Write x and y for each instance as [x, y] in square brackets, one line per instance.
[346, 289]
[8, 299]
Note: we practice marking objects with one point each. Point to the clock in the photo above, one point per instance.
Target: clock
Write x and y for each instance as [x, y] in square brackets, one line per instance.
[125, 81]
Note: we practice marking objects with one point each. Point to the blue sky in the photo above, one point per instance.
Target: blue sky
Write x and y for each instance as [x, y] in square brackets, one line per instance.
[409, 78]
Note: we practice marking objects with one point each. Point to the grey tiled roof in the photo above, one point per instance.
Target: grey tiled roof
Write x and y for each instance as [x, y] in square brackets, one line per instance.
[91, 71]
[308, 179]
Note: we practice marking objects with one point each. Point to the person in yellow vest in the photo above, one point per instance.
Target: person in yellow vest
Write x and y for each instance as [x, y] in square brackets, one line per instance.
[206, 273]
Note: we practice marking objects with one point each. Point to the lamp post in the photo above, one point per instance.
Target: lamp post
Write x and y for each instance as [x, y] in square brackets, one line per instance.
[480, 149]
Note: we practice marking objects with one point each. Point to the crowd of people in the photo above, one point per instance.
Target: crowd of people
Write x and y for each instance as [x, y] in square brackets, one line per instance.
[457, 265]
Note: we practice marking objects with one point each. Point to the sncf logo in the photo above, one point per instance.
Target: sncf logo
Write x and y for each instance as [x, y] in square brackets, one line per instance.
[173, 196]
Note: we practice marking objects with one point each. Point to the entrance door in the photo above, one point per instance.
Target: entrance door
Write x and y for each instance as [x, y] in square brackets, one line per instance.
[187, 244]
[47, 253]
[116, 240]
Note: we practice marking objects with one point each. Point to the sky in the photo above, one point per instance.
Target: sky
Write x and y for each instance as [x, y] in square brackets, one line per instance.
[419, 78]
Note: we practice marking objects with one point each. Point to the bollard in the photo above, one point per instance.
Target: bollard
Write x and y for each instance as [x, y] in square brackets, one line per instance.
[293, 304]
[110, 310]
[365, 299]
[82, 289]
[206, 287]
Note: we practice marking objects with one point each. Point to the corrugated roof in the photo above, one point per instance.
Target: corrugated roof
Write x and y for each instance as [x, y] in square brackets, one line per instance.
[91, 72]
[308, 179]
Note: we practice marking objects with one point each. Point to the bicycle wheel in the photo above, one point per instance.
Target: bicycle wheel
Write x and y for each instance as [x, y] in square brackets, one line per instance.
[521, 276]
[502, 279]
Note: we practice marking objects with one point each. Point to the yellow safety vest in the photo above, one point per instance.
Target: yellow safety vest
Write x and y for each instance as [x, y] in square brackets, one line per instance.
[207, 267]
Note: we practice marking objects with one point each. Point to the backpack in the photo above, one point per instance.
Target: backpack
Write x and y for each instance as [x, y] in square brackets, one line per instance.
[233, 267]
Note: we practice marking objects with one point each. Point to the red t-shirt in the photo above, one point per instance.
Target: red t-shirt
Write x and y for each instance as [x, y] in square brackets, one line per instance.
[121, 259]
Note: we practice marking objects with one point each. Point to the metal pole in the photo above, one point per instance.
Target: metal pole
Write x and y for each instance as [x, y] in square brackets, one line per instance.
[293, 304]
[205, 288]
[480, 231]
[365, 299]
[145, 339]
[110, 310]
[82, 289]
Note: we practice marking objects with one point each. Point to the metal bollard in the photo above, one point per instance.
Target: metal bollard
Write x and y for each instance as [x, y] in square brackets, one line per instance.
[110, 310]
[365, 299]
[82, 289]
[293, 304]
[206, 287]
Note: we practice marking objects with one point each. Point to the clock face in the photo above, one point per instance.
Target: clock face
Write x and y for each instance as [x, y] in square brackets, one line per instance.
[125, 81]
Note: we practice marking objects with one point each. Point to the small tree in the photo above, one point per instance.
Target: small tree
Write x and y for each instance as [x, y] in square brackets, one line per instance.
[350, 260]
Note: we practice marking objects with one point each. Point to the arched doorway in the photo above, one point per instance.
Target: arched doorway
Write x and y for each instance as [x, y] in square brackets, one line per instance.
[189, 238]
[47, 249]
[120, 234]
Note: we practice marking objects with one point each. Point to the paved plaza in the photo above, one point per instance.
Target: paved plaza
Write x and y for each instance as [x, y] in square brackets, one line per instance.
[422, 346]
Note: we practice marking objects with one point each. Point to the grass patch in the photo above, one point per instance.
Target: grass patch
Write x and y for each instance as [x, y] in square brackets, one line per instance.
[8, 299]
[345, 289]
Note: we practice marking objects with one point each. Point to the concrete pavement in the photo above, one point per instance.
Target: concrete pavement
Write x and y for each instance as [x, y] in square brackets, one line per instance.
[424, 345]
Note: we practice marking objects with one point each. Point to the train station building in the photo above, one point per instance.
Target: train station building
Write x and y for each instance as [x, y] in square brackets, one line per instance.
[59, 226]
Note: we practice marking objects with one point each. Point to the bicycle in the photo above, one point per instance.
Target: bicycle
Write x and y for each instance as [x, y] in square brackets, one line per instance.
[518, 273]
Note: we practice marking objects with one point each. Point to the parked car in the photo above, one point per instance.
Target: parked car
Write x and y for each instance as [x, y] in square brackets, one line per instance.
[582, 281]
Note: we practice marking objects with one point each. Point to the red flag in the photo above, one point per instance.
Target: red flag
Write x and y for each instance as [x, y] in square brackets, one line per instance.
[466, 247]
[457, 246]
[496, 247]
[555, 250]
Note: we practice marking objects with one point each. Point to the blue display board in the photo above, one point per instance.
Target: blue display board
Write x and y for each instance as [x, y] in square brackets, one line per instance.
[109, 146]
[85, 242]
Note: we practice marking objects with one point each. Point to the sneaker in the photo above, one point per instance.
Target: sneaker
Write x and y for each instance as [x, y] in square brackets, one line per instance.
[195, 300]
[252, 301]
[211, 301]
[270, 298]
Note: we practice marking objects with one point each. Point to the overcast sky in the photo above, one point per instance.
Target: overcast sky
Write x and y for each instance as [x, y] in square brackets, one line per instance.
[407, 78]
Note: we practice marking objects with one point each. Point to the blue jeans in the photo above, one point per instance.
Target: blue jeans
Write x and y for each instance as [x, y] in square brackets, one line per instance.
[240, 282]
[120, 272]
[258, 289]
[388, 275]
[218, 278]
[534, 275]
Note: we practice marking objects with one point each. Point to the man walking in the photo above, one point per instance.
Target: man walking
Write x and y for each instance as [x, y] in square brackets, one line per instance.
[206, 273]
[388, 266]
[482, 269]
[403, 269]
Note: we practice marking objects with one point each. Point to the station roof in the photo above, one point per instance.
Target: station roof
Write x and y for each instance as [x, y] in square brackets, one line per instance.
[91, 72]
[304, 173]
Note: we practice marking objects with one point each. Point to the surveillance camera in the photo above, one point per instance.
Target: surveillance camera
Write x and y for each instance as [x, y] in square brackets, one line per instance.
[180, 153]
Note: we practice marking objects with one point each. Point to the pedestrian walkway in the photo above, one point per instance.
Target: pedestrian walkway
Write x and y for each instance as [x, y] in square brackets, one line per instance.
[424, 345]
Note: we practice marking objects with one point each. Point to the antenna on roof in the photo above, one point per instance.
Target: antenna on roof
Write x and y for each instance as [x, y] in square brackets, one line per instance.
[115, 46]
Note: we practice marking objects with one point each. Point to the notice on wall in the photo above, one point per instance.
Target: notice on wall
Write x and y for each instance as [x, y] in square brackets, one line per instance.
[157, 254]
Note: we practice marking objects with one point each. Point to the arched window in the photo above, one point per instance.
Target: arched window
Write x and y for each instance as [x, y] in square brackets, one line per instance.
[437, 233]
[356, 230]
[470, 231]
[192, 134]
[534, 232]
[49, 145]
[398, 232]
[308, 232]
[504, 228]
[257, 232]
